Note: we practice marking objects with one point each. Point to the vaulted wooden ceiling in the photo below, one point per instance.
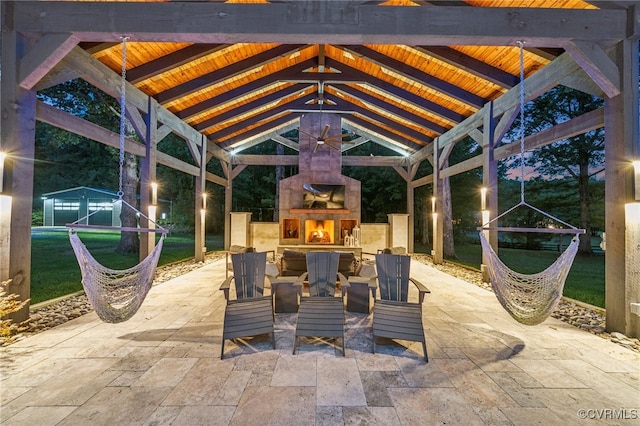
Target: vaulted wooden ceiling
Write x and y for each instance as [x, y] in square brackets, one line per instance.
[241, 90]
[398, 95]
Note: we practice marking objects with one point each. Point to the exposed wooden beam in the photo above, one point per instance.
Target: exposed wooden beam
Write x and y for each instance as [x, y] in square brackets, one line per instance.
[392, 109]
[397, 92]
[336, 23]
[597, 64]
[471, 65]
[230, 95]
[416, 75]
[227, 72]
[43, 56]
[172, 60]
[286, 142]
[257, 103]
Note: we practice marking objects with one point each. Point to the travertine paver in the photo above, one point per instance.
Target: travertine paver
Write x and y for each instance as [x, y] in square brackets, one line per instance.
[163, 367]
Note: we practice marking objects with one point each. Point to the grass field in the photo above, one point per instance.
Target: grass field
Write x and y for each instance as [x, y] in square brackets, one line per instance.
[55, 271]
[584, 283]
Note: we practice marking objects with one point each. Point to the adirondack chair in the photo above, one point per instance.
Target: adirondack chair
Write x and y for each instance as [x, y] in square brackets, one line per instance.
[394, 317]
[321, 313]
[251, 312]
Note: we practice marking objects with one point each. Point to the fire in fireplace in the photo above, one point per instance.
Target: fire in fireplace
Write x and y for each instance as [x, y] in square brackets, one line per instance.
[319, 231]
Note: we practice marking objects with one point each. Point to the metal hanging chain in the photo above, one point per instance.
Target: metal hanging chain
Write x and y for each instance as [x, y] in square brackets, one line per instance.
[123, 110]
[521, 44]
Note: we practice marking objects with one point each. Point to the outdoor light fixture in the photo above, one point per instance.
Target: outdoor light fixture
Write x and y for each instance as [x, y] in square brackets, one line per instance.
[636, 179]
[154, 193]
[483, 198]
[3, 155]
[204, 201]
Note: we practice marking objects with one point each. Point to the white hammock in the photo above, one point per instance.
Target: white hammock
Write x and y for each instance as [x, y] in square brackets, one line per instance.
[116, 295]
[529, 299]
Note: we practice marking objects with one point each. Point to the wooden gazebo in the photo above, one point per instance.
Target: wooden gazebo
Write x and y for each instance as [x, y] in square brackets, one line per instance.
[414, 76]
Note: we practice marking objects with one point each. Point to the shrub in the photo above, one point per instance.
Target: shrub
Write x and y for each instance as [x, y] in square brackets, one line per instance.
[9, 304]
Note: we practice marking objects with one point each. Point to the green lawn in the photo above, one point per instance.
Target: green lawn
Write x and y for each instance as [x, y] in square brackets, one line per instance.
[55, 271]
[584, 283]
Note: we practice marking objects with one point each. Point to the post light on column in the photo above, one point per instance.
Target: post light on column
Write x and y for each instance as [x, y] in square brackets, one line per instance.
[203, 212]
[483, 198]
[204, 201]
[433, 204]
[3, 155]
[434, 223]
[636, 179]
[154, 193]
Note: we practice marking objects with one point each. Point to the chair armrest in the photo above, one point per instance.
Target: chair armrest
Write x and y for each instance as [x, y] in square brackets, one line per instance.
[226, 284]
[344, 283]
[273, 254]
[421, 289]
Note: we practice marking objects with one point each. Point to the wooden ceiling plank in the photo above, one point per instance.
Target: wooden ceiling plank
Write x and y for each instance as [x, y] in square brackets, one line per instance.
[470, 65]
[597, 64]
[416, 75]
[172, 60]
[274, 132]
[284, 75]
[249, 106]
[226, 72]
[229, 130]
[375, 116]
[405, 145]
[379, 103]
[265, 128]
[400, 93]
[365, 131]
[380, 161]
[266, 160]
[43, 57]
[206, 22]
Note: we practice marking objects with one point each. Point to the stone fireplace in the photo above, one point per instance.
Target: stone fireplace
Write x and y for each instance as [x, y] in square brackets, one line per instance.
[300, 223]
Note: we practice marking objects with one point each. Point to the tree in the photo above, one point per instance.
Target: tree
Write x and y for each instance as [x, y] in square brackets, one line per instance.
[64, 149]
[580, 157]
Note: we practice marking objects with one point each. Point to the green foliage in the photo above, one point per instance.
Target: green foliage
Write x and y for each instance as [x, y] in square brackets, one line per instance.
[37, 217]
[383, 189]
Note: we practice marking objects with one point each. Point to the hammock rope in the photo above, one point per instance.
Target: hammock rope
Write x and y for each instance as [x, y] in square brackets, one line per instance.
[528, 298]
[116, 295]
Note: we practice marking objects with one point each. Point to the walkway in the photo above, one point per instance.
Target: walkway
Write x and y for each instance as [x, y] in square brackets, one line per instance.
[162, 367]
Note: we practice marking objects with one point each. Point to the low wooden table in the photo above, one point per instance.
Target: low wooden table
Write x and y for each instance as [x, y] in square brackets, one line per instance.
[359, 293]
[285, 295]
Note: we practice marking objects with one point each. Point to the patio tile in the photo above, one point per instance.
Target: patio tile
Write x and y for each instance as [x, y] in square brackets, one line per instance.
[433, 406]
[41, 416]
[201, 384]
[383, 416]
[329, 416]
[527, 416]
[216, 415]
[293, 370]
[339, 382]
[282, 405]
[375, 384]
[166, 372]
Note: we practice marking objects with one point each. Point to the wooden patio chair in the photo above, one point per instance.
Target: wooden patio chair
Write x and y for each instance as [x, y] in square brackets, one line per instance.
[321, 314]
[251, 312]
[394, 317]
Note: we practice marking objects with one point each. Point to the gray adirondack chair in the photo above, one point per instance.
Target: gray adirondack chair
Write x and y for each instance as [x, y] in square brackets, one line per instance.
[394, 317]
[251, 312]
[321, 314]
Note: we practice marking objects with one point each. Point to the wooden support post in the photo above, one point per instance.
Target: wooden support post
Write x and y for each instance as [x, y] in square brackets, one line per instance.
[201, 203]
[489, 182]
[148, 179]
[622, 147]
[438, 229]
[17, 140]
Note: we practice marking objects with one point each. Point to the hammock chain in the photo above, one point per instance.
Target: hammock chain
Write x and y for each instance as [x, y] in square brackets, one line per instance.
[123, 111]
[521, 44]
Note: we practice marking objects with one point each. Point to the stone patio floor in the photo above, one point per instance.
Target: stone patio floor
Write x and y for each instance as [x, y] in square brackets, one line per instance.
[162, 367]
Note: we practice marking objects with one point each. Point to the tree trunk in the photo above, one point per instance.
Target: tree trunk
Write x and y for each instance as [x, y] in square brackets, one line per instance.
[448, 249]
[129, 242]
[585, 204]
